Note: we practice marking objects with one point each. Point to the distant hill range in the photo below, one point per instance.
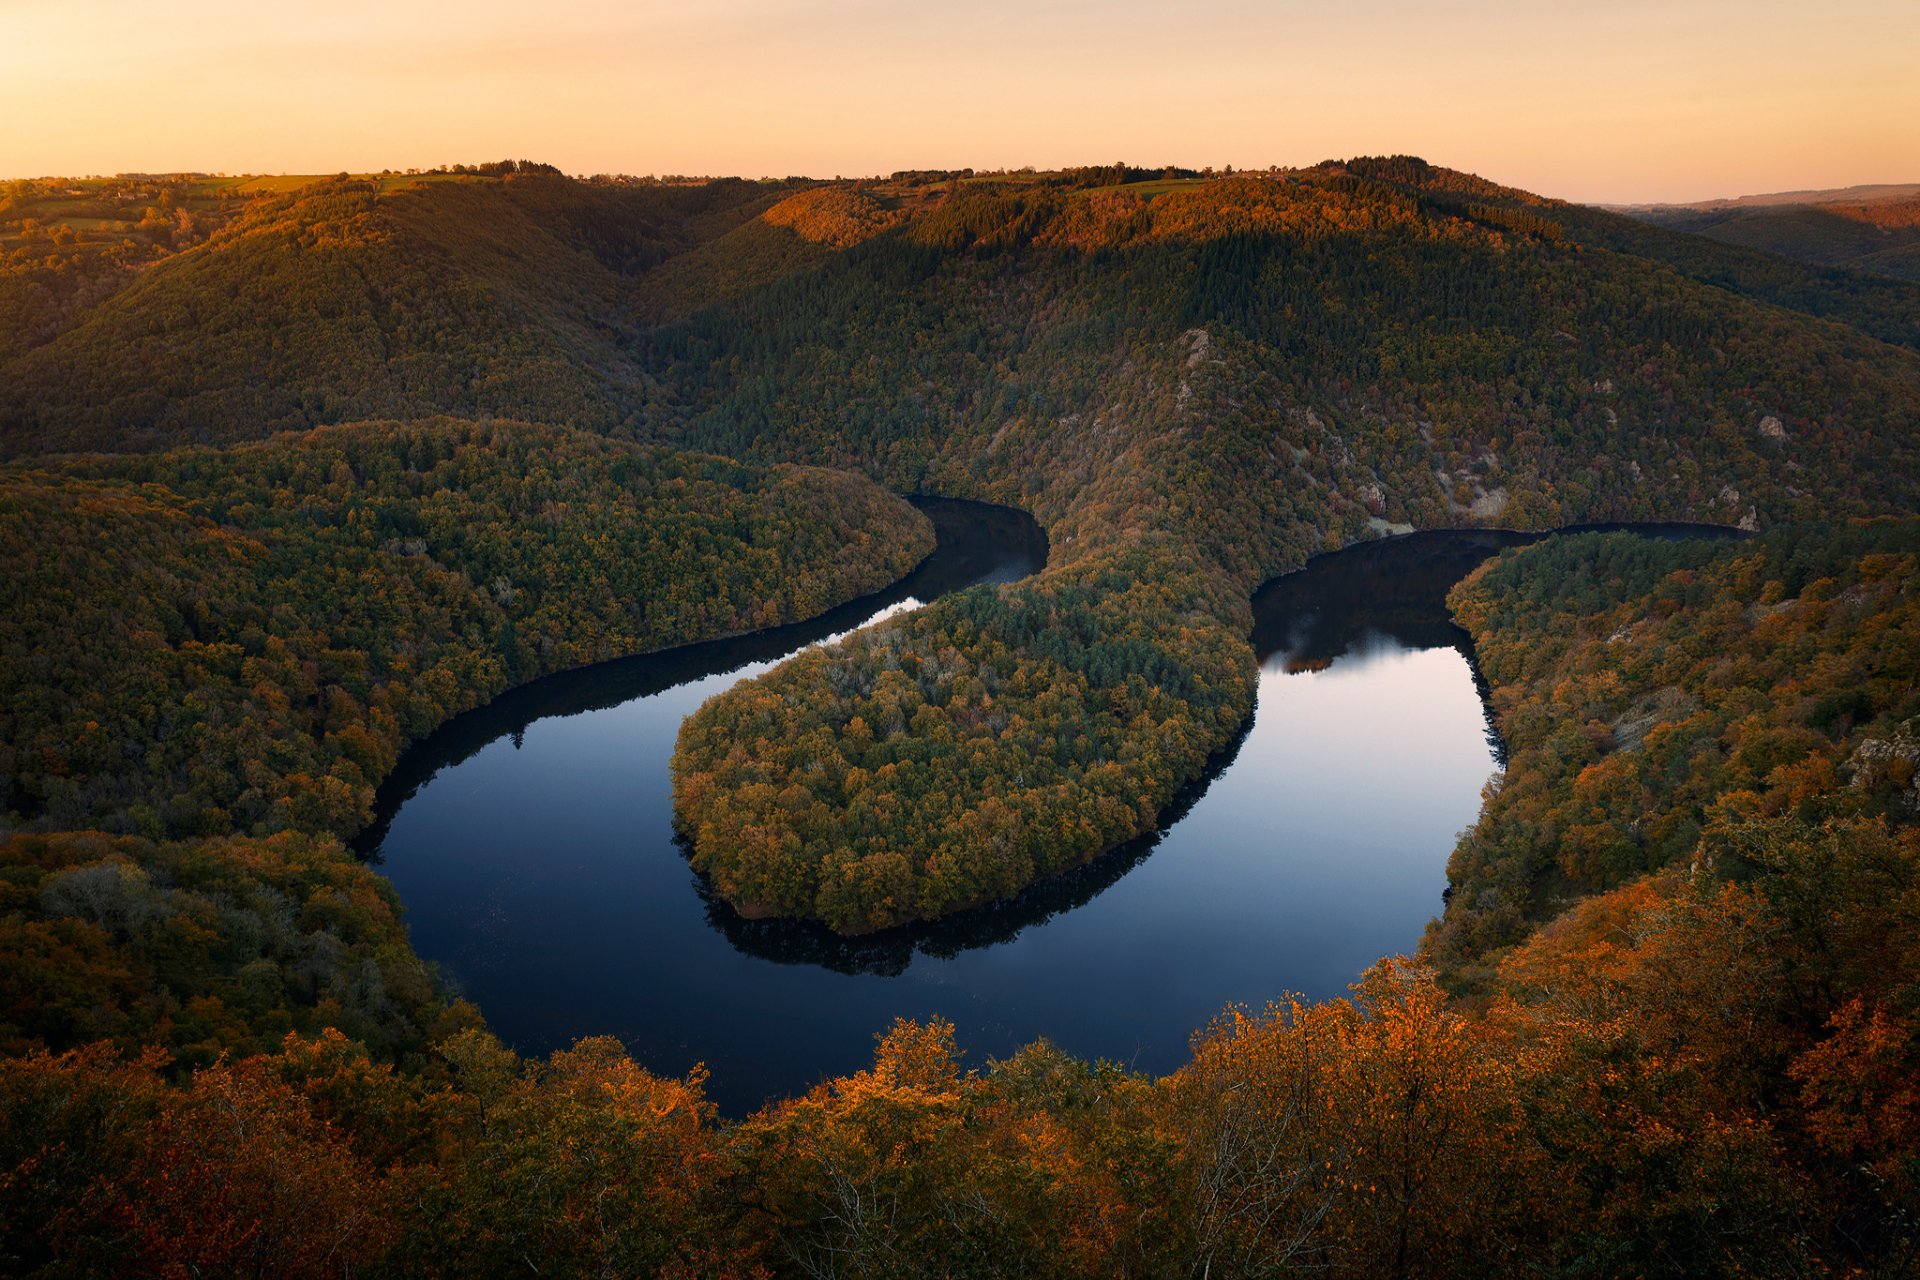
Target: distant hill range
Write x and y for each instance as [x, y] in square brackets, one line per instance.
[1863, 193]
[1872, 228]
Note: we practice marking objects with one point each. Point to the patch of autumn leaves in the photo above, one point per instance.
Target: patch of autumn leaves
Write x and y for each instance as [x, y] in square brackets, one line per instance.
[1592, 1118]
[838, 216]
[1378, 1132]
[316, 1161]
[108, 1169]
[1767, 1013]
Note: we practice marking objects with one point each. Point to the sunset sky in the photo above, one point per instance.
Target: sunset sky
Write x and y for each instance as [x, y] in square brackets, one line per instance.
[1618, 101]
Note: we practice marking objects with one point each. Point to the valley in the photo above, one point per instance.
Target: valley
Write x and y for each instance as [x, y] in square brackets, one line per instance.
[1114, 892]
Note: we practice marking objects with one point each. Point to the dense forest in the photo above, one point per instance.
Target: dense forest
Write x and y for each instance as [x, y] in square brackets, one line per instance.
[1195, 390]
[242, 640]
[1665, 1026]
[362, 298]
[1662, 700]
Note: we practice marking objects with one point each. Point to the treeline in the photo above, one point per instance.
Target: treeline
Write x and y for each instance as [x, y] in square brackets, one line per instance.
[1596, 1119]
[243, 640]
[501, 168]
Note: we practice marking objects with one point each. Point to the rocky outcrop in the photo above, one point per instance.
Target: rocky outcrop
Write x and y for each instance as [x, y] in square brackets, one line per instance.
[1649, 711]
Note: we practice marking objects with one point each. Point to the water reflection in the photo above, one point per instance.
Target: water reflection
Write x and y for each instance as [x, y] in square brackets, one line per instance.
[1395, 589]
[888, 954]
[977, 543]
[533, 845]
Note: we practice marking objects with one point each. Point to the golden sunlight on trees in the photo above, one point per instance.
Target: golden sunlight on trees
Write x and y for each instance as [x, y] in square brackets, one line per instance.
[1665, 1027]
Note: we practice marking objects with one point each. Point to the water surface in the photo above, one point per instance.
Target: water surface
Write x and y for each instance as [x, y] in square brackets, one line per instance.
[533, 845]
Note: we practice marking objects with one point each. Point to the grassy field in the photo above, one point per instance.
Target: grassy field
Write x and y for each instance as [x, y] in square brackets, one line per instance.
[269, 184]
[1155, 186]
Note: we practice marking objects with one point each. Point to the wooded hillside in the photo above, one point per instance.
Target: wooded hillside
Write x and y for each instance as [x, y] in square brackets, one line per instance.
[242, 640]
[1666, 1026]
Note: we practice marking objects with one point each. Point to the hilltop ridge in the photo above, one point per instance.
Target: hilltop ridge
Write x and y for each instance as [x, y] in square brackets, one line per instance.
[1873, 229]
[1859, 193]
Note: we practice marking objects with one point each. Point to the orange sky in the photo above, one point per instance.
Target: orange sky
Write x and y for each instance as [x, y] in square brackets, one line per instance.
[1620, 100]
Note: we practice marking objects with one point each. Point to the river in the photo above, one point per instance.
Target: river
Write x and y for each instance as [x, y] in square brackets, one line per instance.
[532, 843]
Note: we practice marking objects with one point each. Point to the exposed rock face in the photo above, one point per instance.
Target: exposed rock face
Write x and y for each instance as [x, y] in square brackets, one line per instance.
[1730, 497]
[1386, 528]
[1649, 711]
[1875, 759]
[1200, 345]
[1489, 505]
[1770, 429]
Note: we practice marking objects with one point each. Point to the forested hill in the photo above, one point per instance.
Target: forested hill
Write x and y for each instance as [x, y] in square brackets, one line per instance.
[346, 300]
[205, 642]
[156, 312]
[1195, 385]
[1875, 230]
[1194, 381]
